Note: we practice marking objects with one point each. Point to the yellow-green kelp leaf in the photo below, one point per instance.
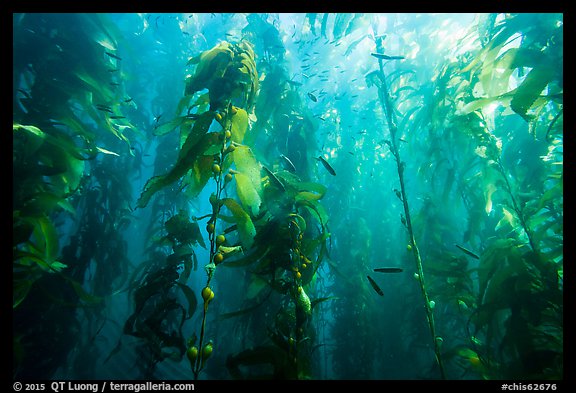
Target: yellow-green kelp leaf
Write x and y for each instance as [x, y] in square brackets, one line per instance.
[35, 258]
[199, 175]
[202, 102]
[196, 144]
[247, 193]
[248, 181]
[171, 125]
[247, 164]
[211, 64]
[239, 125]
[46, 239]
[244, 223]
[314, 207]
[530, 89]
[311, 186]
[307, 196]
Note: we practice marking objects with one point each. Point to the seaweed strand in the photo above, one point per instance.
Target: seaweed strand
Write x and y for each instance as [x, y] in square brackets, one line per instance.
[393, 128]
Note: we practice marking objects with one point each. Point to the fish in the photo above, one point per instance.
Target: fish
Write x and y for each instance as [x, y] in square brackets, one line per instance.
[375, 286]
[117, 117]
[112, 55]
[386, 57]
[294, 83]
[466, 251]
[312, 97]
[326, 165]
[104, 109]
[274, 179]
[388, 270]
[353, 45]
[289, 165]
[127, 100]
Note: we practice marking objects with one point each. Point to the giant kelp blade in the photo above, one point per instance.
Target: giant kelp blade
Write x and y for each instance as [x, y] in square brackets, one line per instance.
[315, 207]
[246, 228]
[190, 297]
[46, 239]
[530, 89]
[171, 125]
[196, 144]
[211, 64]
[199, 175]
[317, 301]
[248, 181]
[83, 295]
[247, 194]
[341, 24]
[274, 179]
[239, 125]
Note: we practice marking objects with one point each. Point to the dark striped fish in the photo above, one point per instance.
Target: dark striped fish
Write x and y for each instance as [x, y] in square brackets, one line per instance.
[112, 55]
[104, 108]
[375, 286]
[389, 270]
[466, 251]
[386, 57]
[326, 165]
[312, 97]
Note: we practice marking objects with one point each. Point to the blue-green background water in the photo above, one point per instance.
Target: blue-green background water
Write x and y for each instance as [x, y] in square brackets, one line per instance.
[477, 105]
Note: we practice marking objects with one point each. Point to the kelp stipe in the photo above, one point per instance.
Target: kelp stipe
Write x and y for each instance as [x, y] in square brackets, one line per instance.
[392, 143]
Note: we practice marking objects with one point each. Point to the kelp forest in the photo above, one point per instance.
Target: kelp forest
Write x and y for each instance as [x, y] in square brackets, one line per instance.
[325, 196]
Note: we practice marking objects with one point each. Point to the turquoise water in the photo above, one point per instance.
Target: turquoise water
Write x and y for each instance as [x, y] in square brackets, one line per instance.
[368, 196]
